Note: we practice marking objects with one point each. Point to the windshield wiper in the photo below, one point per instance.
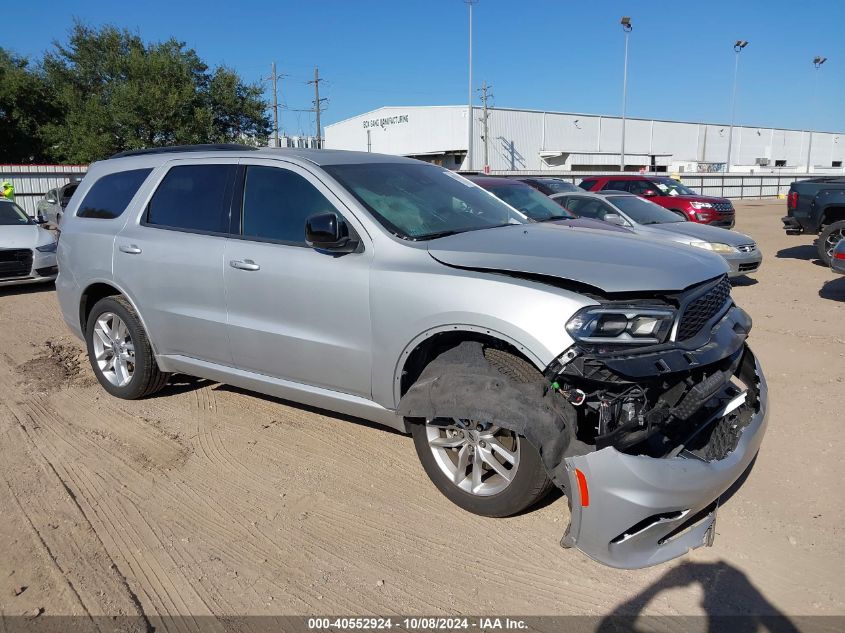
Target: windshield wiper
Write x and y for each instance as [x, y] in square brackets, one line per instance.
[434, 236]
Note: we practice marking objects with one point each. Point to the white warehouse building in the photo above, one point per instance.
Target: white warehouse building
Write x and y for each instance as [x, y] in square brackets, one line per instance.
[531, 140]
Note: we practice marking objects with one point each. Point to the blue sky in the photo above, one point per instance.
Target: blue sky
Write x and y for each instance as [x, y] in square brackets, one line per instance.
[541, 54]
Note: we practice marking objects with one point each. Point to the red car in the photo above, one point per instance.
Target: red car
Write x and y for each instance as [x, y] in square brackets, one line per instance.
[669, 193]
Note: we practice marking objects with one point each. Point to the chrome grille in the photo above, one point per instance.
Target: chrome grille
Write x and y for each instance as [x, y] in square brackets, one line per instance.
[701, 309]
[746, 248]
[15, 262]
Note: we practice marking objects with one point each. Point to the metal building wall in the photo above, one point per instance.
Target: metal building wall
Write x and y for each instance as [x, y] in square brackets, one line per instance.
[31, 182]
[517, 137]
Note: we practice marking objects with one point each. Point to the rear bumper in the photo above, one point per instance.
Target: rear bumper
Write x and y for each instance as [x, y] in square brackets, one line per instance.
[637, 504]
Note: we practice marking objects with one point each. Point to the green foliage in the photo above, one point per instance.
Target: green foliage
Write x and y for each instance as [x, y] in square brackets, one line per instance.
[25, 107]
[114, 92]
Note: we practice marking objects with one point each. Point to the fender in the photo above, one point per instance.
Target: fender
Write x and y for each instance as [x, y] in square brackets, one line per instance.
[457, 327]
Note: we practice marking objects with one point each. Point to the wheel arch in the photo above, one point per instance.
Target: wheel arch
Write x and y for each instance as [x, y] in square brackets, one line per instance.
[832, 213]
[98, 290]
[426, 346]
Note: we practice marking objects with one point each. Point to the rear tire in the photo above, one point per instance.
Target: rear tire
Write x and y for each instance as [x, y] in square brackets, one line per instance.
[828, 238]
[452, 450]
[120, 352]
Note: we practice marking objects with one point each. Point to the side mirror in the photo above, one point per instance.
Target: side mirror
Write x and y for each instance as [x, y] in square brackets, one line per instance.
[328, 232]
[615, 218]
[649, 193]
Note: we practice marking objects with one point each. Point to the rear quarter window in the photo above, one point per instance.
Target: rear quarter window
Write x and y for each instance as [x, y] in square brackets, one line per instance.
[587, 184]
[109, 196]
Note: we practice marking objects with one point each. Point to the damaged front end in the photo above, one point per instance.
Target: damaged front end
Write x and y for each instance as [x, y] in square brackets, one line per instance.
[670, 428]
[642, 435]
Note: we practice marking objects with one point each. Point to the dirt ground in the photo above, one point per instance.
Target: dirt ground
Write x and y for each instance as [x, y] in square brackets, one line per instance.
[209, 500]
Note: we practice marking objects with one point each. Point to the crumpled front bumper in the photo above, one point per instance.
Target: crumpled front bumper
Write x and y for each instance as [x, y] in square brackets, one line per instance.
[635, 504]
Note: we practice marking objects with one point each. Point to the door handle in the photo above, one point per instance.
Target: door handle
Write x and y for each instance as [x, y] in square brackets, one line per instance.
[244, 264]
[130, 249]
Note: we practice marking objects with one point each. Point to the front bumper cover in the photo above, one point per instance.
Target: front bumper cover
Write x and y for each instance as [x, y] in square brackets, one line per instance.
[639, 503]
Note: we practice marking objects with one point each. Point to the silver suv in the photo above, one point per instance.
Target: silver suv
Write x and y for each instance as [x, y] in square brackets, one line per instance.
[518, 355]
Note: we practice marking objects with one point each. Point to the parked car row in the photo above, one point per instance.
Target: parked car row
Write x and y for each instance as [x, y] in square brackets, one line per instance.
[522, 348]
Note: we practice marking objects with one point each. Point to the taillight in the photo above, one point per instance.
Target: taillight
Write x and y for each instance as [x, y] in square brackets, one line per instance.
[582, 488]
[792, 200]
[839, 256]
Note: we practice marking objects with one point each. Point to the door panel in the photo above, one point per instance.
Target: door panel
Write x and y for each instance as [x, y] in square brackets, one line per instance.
[296, 313]
[175, 275]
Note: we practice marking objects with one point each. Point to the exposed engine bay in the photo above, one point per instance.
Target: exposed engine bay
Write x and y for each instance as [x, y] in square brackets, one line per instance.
[689, 397]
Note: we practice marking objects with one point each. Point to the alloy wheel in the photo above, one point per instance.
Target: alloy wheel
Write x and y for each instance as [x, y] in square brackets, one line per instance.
[114, 350]
[479, 458]
[832, 240]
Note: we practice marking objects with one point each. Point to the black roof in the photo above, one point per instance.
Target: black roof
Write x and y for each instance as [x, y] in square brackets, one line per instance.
[206, 147]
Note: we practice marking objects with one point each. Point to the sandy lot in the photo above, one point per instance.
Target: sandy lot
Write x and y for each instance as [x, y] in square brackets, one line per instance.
[209, 500]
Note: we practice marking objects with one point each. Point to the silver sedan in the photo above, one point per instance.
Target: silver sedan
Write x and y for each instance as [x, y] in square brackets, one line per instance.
[27, 251]
[653, 221]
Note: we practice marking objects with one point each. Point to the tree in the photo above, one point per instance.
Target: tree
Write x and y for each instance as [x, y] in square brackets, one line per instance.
[25, 107]
[118, 93]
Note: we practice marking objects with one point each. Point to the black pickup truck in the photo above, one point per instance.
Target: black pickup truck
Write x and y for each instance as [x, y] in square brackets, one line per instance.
[817, 206]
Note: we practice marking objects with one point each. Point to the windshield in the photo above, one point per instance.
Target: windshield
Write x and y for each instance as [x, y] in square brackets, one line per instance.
[670, 187]
[643, 211]
[558, 186]
[531, 202]
[420, 202]
[12, 215]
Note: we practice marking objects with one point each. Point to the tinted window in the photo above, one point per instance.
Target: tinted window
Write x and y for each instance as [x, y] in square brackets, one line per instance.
[531, 202]
[586, 184]
[558, 186]
[193, 198]
[277, 203]
[644, 211]
[108, 198]
[616, 185]
[12, 215]
[587, 207]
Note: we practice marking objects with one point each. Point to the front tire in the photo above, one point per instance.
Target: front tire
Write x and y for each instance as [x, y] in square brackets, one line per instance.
[120, 352]
[479, 466]
[828, 239]
[483, 468]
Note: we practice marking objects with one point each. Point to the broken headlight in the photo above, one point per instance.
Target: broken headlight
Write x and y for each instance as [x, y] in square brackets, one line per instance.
[621, 324]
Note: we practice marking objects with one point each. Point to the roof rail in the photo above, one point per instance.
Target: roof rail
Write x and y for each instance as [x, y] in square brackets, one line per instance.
[207, 147]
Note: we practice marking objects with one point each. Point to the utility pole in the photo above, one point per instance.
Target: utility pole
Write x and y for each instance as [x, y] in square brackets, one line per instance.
[818, 60]
[627, 27]
[275, 77]
[318, 105]
[469, 3]
[738, 46]
[484, 98]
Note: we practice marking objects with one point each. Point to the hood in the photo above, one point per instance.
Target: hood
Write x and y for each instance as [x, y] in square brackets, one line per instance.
[608, 260]
[589, 223]
[699, 232]
[20, 236]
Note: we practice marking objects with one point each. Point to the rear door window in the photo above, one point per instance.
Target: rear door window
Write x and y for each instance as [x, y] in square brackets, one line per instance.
[194, 198]
[616, 185]
[276, 204]
[586, 207]
[109, 196]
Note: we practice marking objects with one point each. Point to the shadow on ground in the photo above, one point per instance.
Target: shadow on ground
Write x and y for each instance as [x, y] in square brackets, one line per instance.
[27, 289]
[833, 289]
[731, 602]
[806, 252]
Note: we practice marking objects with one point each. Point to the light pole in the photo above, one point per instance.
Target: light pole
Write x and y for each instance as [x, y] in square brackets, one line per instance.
[738, 46]
[627, 27]
[818, 60]
[469, 3]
